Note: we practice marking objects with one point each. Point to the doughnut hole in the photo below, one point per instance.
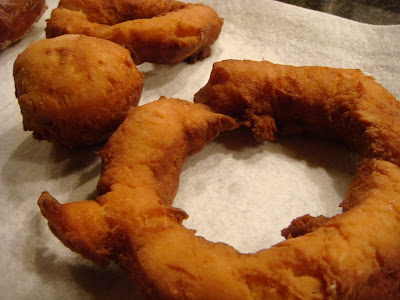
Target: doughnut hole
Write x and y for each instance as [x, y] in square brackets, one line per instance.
[75, 90]
[244, 193]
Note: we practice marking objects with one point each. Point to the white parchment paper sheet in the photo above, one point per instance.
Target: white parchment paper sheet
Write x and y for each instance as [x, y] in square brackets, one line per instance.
[235, 191]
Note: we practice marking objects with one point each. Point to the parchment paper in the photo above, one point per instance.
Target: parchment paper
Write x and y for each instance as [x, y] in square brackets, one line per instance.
[235, 191]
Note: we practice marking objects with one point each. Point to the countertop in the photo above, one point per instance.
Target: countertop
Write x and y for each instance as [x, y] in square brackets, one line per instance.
[365, 11]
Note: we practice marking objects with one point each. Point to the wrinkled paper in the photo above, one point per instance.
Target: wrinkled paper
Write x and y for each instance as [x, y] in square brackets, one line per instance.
[235, 190]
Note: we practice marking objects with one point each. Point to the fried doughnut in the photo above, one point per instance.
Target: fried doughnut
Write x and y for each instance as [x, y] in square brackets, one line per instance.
[114, 12]
[17, 18]
[353, 255]
[157, 31]
[75, 90]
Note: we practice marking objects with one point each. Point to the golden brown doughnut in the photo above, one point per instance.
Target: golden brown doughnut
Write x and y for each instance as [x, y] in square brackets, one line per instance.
[157, 31]
[17, 18]
[355, 255]
[75, 90]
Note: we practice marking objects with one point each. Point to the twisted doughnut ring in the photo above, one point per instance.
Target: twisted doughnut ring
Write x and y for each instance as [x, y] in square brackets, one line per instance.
[352, 255]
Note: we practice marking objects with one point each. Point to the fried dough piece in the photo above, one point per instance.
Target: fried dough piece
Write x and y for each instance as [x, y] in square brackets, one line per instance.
[353, 255]
[341, 104]
[114, 12]
[75, 90]
[17, 18]
[165, 32]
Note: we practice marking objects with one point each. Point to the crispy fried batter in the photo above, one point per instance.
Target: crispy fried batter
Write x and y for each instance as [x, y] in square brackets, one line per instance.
[157, 31]
[303, 225]
[355, 254]
[75, 90]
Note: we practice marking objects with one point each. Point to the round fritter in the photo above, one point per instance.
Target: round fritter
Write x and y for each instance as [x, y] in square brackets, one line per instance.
[75, 90]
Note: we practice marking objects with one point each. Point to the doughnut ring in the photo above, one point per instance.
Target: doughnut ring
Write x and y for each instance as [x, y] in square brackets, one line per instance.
[157, 31]
[352, 255]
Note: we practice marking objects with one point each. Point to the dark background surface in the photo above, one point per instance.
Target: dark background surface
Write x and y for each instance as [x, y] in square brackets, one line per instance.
[383, 12]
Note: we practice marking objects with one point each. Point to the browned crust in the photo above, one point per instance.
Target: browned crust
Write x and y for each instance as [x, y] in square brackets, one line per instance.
[303, 225]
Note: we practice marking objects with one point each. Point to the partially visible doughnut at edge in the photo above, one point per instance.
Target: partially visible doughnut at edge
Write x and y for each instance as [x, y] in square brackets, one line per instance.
[75, 90]
[157, 31]
[17, 18]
